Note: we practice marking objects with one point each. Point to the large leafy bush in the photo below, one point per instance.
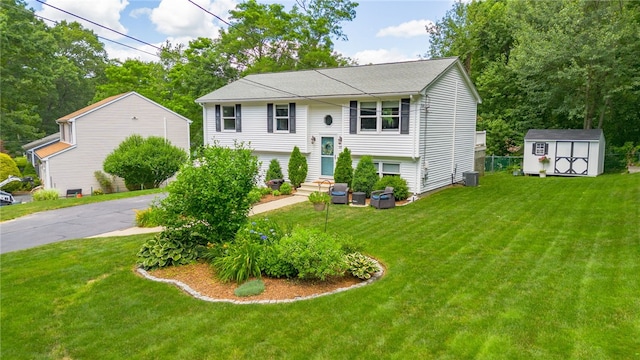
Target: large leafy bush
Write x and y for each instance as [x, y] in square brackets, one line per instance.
[8, 167]
[313, 254]
[400, 187]
[365, 176]
[45, 194]
[144, 163]
[214, 189]
[297, 168]
[344, 168]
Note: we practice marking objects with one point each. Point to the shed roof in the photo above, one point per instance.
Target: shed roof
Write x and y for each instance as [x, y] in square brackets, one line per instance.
[379, 79]
[563, 134]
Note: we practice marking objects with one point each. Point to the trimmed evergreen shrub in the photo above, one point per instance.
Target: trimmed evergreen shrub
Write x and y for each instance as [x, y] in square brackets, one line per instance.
[344, 169]
[297, 168]
[365, 176]
[400, 187]
[274, 171]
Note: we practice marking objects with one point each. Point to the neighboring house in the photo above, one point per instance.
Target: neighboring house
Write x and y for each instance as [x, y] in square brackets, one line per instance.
[88, 135]
[571, 152]
[416, 119]
[31, 148]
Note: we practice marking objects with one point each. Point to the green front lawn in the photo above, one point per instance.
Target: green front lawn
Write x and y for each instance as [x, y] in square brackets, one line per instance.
[18, 210]
[516, 268]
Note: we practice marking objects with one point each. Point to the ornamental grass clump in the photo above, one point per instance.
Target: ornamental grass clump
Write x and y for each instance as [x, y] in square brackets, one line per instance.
[46, 194]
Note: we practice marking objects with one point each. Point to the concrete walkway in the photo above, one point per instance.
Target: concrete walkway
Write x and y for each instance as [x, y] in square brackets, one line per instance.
[258, 209]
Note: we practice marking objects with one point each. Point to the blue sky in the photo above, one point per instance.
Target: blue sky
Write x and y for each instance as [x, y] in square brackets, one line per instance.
[383, 31]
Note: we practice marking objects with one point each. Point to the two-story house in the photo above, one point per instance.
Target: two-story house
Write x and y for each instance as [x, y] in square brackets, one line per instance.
[416, 119]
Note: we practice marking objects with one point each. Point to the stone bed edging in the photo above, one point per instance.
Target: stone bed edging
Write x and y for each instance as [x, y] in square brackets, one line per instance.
[378, 274]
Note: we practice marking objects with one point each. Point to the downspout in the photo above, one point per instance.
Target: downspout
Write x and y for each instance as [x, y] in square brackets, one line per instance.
[453, 147]
[425, 163]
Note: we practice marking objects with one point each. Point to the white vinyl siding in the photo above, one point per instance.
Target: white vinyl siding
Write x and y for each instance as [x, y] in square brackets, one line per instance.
[254, 130]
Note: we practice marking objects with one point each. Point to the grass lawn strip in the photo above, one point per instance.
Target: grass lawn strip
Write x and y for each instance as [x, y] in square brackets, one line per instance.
[517, 268]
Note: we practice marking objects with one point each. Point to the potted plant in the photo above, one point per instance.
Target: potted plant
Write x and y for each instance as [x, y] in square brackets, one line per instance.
[544, 160]
[319, 199]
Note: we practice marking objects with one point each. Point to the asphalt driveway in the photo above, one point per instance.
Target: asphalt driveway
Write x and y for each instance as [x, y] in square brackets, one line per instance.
[71, 223]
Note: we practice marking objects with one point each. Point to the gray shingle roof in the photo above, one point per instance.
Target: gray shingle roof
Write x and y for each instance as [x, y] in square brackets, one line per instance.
[563, 134]
[379, 79]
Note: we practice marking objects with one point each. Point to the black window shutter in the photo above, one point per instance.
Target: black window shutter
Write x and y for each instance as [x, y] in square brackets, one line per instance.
[533, 148]
[404, 116]
[546, 148]
[270, 118]
[238, 118]
[353, 117]
[218, 118]
[292, 118]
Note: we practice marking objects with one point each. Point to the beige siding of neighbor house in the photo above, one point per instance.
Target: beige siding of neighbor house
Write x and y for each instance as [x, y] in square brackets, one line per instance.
[99, 132]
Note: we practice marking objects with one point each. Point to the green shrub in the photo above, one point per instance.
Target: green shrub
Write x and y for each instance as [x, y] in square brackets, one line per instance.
[285, 189]
[274, 171]
[360, 266]
[276, 193]
[297, 168]
[8, 167]
[273, 265]
[240, 263]
[144, 163]
[105, 182]
[150, 217]
[98, 192]
[168, 248]
[215, 190]
[254, 195]
[344, 168]
[27, 170]
[400, 187]
[48, 194]
[266, 191]
[313, 254]
[365, 176]
[250, 288]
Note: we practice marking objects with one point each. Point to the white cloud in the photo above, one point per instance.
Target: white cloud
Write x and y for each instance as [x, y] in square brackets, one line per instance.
[136, 13]
[103, 12]
[381, 56]
[407, 29]
[181, 18]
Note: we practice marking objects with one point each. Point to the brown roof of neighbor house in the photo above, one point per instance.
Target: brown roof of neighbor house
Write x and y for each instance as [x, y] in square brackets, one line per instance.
[89, 108]
[52, 149]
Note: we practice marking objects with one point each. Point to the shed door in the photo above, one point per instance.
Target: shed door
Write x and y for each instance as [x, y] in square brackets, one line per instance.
[572, 157]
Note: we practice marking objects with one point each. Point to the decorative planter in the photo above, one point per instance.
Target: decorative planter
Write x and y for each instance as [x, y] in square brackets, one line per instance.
[542, 175]
[274, 184]
[319, 206]
[78, 195]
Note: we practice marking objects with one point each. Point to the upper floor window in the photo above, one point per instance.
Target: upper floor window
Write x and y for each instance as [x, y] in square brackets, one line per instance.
[229, 117]
[282, 117]
[380, 116]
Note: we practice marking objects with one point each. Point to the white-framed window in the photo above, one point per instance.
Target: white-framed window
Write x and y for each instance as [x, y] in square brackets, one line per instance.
[229, 117]
[282, 117]
[380, 116]
[540, 148]
[387, 168]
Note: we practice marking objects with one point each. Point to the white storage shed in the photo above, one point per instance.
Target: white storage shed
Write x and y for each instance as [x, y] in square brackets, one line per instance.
[571, 152]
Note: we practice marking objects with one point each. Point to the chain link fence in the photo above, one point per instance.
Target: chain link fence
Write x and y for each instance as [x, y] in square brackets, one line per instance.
[493, 163]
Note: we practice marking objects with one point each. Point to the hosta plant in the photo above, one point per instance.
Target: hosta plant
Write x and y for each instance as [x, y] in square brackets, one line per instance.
[360, 266]
[163, 250]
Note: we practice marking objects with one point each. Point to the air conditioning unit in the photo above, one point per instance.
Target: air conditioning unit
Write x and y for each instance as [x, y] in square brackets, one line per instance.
[470, 178]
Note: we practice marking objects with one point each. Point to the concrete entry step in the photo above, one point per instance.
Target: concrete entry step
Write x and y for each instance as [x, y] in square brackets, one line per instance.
[307, 188]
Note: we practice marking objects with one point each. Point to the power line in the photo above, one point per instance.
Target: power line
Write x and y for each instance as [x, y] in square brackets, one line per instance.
[103, 38]
[102, 26]
[210, 13]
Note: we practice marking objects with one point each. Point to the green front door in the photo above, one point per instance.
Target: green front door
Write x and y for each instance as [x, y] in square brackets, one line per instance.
[327, 156]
